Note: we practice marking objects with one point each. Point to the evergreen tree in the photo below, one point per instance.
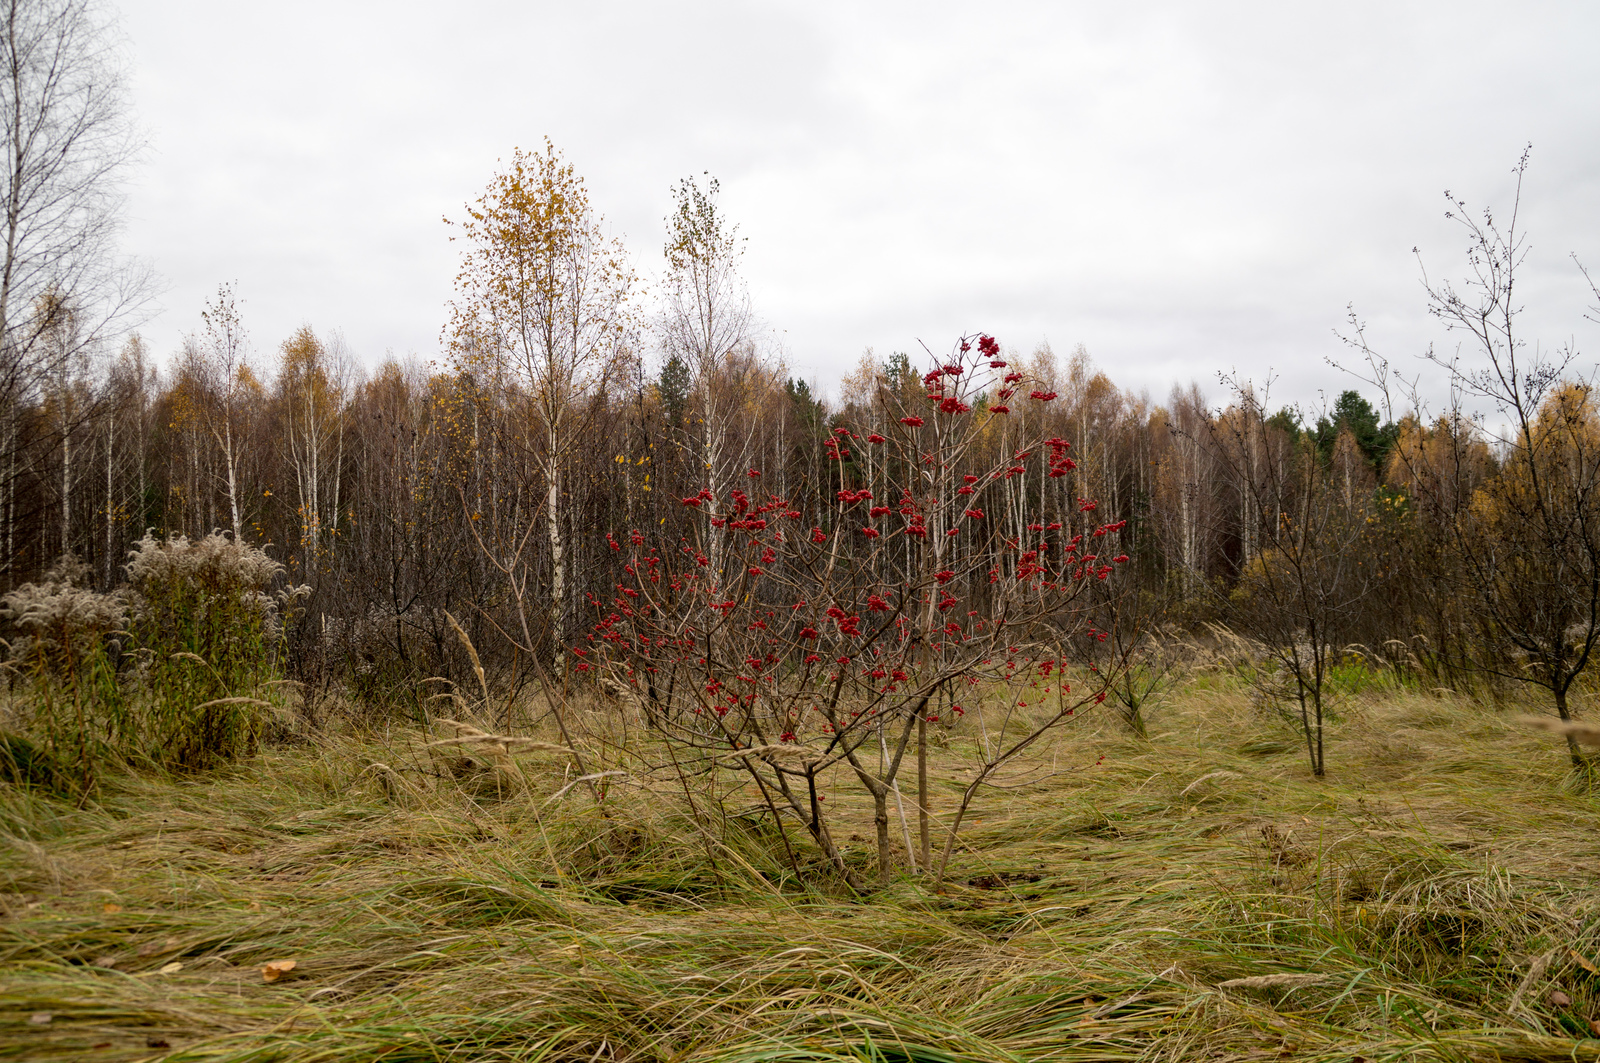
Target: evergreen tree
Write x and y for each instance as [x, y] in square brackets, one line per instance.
[1357, 414]
[674, 384]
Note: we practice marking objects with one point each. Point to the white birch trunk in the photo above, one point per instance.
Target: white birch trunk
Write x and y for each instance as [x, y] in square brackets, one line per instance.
[558, 556]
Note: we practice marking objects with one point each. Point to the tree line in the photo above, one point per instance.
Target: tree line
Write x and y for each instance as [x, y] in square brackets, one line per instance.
[408, 490]
[565, 410]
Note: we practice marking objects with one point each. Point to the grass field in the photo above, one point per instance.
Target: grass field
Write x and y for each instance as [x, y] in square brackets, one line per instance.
[1198, 896]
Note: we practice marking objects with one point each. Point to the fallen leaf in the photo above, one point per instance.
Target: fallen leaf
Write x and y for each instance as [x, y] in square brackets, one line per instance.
[111, 909]
[253, 906]
[1583, 961]
[275, 970]
[171, 968]
[150, 948]
[1594, 1027]
[1558, 999]
[39, 1018]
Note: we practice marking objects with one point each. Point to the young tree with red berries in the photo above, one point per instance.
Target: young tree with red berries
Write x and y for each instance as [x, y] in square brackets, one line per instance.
[838, 634]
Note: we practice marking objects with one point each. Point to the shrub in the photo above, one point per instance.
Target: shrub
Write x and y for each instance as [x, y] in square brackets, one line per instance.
[174, 670]
[210, 636]
[785, 643]
[24, 764]
[63, 626]
[62, 654]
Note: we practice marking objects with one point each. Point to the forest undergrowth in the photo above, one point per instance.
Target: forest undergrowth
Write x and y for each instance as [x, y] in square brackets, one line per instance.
[1194, 896]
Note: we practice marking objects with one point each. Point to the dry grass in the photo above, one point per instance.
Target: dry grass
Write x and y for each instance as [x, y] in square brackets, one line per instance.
[1198, 896]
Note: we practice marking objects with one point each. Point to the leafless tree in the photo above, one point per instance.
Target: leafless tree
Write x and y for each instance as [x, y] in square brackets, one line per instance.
[66, 139]
[1308, 571]
[1528, 541]
[224, 366]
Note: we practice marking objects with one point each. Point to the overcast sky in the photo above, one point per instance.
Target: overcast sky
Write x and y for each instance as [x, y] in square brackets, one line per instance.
[1183, 188]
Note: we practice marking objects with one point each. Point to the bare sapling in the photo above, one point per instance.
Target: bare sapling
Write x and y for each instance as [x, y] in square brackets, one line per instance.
[1134, 651]
[1307, 563]
[1526, 536]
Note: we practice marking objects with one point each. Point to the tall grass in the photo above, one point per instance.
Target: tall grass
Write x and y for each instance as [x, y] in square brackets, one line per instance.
[1196, 895]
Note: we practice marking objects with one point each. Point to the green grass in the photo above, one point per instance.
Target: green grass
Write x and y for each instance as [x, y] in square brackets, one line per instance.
[1432, 893]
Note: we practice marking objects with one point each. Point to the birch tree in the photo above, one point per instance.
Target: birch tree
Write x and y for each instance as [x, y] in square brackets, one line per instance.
[313, 380]
[706, 323]
[543, 296]
[65, 393]
[65, 139]
[223, 366]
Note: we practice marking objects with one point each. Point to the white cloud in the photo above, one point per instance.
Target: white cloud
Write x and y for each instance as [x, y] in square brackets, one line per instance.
[1184, 188]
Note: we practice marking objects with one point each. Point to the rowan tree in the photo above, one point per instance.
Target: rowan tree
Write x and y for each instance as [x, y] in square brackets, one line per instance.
[844, 625]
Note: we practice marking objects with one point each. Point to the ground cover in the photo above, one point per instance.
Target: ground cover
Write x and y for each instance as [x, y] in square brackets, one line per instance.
[1196, 896]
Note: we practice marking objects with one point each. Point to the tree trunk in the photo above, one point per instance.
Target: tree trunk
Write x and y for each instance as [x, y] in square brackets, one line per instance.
[233, 475]
[924, 801]
[880, 820]
[111, 439]
[558, 561]
[11, 494]
[713, 456]
[1579, 760]
[66, 479]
